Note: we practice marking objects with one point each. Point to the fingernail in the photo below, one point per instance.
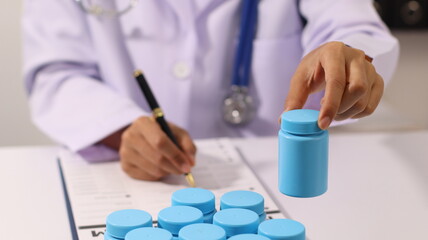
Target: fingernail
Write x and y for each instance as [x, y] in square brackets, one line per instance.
[185, 168]
[325, 122]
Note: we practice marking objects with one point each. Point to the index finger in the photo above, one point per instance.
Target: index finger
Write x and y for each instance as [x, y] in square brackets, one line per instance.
[298, 92]
[335, 78]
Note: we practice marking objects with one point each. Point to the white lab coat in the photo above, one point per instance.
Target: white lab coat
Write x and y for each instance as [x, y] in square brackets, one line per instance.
[79, 68]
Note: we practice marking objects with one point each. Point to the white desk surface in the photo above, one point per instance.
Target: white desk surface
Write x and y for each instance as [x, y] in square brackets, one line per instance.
[378, 189]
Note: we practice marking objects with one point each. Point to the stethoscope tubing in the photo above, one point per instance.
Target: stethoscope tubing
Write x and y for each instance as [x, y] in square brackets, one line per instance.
[242, 65]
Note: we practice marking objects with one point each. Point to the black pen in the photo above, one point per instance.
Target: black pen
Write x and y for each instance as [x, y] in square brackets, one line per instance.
[159, 116]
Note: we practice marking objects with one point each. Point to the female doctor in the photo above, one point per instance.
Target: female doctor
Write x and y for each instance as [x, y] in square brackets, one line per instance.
[80, 57]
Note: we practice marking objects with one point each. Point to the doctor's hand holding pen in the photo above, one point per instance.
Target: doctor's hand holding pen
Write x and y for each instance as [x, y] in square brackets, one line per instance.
[147, 153]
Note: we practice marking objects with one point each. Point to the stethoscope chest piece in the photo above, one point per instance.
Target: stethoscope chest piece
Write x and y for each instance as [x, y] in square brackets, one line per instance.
[238, 106]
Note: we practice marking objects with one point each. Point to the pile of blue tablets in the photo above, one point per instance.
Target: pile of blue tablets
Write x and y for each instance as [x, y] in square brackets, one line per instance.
[193, 216]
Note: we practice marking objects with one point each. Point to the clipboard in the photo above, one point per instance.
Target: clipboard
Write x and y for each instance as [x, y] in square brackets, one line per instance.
[94, 190]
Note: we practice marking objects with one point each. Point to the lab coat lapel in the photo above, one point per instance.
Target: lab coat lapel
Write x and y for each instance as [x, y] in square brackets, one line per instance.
[108, 34]
[187, 10]
[184, 12]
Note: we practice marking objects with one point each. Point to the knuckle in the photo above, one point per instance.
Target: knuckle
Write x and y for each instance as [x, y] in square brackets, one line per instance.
[142, 119]
[158, 173]
[358, 88]
[159, 160]
[124, 154]
[178, 130]
[360, 54]
[137, 122]
[371, 67]
[380, 81]
[335, 45]
[333, 49]
[140, 176]
[193, 148]
[160, 142]
[369, 110]
[126, 135]
[125, 166]
[184, 133]
[153, 178]
[359, 106]
[176, 155]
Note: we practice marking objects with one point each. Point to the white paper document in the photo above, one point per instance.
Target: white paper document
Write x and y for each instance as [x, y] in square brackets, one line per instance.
[96, 190]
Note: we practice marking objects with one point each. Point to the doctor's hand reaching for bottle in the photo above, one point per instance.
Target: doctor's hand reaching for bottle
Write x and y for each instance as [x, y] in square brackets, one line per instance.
[353, 88]
[146, 152]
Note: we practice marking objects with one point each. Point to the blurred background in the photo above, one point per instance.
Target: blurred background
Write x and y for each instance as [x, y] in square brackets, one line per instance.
[404, 106]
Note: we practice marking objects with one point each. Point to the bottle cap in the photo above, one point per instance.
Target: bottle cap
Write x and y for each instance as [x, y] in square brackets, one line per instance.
[148, 233]
[176, 217]
[300, 121]
[119, 223]
[202, 231]
[282, 229]
[199, 198]
[248, 236]
[243, 199]
[237, 221]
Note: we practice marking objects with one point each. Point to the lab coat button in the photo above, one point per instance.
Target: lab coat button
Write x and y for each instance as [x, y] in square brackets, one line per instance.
[181, 70]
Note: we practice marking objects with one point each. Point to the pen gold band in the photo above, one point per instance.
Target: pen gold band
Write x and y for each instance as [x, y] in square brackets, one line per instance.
[137, 73]
[157, 112]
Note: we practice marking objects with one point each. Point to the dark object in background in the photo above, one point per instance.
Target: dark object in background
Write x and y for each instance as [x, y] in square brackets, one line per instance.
[403, 14]
[384, 8]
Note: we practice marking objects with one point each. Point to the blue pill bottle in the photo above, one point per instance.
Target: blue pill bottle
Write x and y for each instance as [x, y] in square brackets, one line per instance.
[282, 229]
[175, 218]
[244, 199]
[119, 223]
[237, 221]
[203, 231]
[199, 198]
[303, 154]
[148, 233]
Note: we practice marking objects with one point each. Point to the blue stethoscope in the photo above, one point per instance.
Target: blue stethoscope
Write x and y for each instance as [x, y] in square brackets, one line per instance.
[238, 106]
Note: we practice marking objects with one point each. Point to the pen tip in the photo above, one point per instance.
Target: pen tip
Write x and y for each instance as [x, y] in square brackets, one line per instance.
[190, 180]
[137, 73]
